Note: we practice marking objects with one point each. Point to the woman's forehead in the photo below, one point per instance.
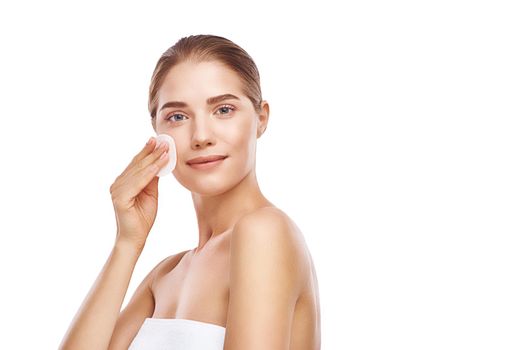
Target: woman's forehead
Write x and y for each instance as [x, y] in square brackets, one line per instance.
[196, 83]
[187, 75]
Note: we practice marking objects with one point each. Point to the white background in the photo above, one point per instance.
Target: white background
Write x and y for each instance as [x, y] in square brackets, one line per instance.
[395, 142]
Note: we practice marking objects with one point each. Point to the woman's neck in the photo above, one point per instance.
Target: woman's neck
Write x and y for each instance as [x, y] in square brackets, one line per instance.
[217, 214]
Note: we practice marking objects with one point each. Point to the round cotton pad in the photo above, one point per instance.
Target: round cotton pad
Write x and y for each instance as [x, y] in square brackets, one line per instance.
[168, 168]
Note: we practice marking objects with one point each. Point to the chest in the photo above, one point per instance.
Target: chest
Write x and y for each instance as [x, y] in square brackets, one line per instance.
[197, 288]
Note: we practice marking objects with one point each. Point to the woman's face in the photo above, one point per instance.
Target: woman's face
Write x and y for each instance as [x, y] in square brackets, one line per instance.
[226, 127]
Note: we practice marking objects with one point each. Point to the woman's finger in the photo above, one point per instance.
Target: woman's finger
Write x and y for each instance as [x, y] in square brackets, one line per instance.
[144, 175]
[152, 157]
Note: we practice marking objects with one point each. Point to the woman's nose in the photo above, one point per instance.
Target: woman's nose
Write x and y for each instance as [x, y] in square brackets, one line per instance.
[202, 134]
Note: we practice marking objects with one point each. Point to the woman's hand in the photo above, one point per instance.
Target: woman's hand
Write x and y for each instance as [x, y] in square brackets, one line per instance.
[135, 194]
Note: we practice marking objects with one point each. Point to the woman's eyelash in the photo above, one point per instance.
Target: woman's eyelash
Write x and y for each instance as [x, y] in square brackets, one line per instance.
[223, 106]
[227, 106]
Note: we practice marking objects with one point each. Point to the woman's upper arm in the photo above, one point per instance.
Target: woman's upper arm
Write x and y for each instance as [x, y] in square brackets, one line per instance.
[140, 306]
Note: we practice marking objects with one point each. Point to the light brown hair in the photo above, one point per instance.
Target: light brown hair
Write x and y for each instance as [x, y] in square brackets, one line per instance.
[203, 48]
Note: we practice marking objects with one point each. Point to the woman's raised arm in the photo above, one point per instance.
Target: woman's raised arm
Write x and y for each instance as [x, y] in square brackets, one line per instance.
[135, 200]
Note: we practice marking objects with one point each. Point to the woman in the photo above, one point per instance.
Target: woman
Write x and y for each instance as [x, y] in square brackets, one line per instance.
[250, 283]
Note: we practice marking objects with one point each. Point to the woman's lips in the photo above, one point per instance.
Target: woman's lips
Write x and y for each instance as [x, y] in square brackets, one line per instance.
[206, 165]
[203, 159]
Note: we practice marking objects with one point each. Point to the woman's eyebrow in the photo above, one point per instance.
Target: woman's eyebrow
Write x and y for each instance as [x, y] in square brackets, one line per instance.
[210, 101]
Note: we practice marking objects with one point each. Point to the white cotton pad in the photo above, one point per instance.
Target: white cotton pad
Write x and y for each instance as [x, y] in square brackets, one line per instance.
[171, 163]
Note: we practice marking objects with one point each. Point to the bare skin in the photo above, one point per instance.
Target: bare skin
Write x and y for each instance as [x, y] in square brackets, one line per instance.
[195, 284]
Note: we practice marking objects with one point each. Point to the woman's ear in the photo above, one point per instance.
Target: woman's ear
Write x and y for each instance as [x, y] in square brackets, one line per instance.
[263, 118]
[153, 124]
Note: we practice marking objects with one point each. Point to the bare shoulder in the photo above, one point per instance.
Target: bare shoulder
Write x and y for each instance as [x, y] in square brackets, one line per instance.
[269, 272]
[267, 216]
[272, 222]
[272, 230]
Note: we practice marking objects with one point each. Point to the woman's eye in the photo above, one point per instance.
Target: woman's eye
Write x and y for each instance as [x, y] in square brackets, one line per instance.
[174, 115]
[228, 108]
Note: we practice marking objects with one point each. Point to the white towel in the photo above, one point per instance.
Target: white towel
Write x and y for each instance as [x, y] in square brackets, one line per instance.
[178, 334]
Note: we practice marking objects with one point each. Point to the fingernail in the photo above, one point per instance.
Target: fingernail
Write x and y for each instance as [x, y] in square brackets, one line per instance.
[149, 141]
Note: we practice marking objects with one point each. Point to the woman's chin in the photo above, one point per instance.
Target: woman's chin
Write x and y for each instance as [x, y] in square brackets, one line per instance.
[208, 192]
[206, 187]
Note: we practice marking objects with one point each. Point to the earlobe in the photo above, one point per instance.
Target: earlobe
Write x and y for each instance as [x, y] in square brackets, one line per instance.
[261, 131]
